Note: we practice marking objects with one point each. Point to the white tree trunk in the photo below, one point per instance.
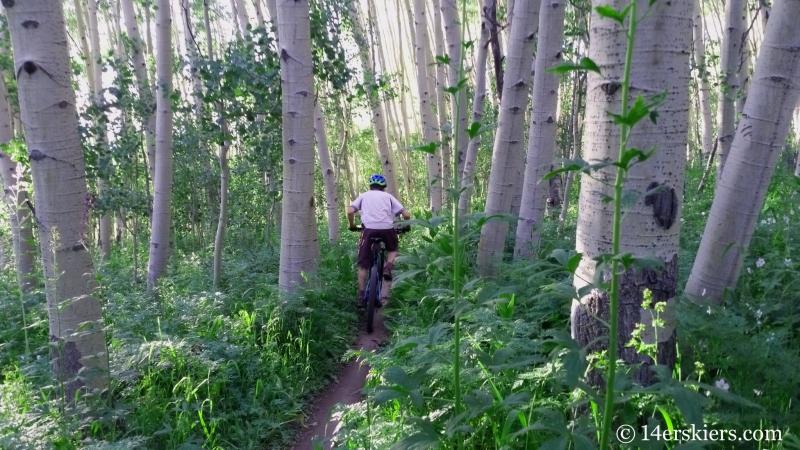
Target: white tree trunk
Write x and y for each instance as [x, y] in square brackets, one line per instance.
[97, 90]
[299, 240]
[162, 184]
[47, 107]
[328, 175]
[729, 63]
[445, 126]
[242, 15]
[452, 28]
[543, 128]
[191, 55]
[87, 54]
[478, 101]
[260, 14]
[145, 90]
[428, 119]
[378, 113]
[660, 61]
[704, 91]
[16, 194]
[508, 155]
[760, 136]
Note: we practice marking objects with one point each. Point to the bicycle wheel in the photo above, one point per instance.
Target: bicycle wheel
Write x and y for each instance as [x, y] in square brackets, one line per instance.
[372, 297]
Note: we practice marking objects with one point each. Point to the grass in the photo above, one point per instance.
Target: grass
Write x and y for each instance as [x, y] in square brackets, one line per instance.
[195, 368]
[523, 375]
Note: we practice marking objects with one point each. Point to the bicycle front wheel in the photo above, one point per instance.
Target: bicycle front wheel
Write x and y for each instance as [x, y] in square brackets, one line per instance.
[372, 298]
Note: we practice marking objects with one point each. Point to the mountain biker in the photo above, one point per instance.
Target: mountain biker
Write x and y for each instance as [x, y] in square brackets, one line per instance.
[378, 210]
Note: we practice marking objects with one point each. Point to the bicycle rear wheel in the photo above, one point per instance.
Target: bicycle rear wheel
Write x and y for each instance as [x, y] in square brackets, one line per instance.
[372, 298]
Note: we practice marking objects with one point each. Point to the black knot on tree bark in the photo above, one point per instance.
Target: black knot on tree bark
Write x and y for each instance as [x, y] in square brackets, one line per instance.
[36, 155]
[610, 88]
[29, 67]
[664, 202]
[8, 3]
[30, 23]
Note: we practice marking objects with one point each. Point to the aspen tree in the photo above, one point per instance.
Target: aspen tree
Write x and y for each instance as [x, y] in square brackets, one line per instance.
[760, 137]
[162, 183]
[508, 154]
[660, 63]
[542, 130]
[729, 62]
[49, 116]
[16, 196]
[299, 240]
[478, 101]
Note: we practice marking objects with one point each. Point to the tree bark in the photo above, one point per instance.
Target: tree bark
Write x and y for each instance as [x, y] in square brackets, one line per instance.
[15, 194]
[299, 240]
[497, 51]
[660, 62]
[704, 91]
[754, 154]
[429, 134]
[488, 29]
[378, 113]
[543, 129]
[508, 155]
[452, 28]
[47, 108]
[575, 126]
[145, 90]
[97, 91]
[729, 62]
[162, 184]
[445, 125]
[87, 54]
[328, 175]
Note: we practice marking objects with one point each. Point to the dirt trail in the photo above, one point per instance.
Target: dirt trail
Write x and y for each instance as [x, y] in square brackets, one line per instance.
[347, 390]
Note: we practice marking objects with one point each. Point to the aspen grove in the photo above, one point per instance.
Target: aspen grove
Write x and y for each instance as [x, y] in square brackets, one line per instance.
[604, 203]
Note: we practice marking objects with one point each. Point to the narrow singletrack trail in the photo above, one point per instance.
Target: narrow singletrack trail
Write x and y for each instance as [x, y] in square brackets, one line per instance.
[347, 390]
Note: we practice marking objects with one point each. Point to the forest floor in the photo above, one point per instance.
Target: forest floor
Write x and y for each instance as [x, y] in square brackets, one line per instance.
[346, 390]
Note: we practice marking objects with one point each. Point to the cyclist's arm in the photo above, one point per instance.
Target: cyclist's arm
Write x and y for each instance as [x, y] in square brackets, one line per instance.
[351, 216]
[351, 211]
[405, 214]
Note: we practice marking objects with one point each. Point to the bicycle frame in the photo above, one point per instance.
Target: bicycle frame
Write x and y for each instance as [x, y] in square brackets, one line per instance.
[378, 259]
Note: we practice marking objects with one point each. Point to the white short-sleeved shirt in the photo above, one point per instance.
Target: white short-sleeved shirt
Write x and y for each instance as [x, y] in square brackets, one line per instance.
[378, 209]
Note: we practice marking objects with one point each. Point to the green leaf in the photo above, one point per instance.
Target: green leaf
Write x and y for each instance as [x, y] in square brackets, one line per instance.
[611, 13]
[559, 443]
[443, 59]
[427, 148]
[585, 64]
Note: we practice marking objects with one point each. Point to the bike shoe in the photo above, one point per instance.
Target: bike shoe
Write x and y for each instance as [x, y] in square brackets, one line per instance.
[387, 271]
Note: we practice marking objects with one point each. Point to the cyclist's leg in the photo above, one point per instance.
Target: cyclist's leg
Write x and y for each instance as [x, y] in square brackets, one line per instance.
[364, 261]
[392, 245]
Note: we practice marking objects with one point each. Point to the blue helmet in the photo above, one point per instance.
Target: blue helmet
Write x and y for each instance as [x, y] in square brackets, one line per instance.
[377, 179]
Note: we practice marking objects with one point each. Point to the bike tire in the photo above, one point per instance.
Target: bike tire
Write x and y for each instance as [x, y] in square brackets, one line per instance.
[372, 298]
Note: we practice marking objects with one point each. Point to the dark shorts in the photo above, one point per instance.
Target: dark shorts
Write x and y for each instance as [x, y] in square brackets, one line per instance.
[365, 243]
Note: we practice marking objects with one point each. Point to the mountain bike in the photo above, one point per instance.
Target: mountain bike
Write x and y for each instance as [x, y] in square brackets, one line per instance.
[374, 286]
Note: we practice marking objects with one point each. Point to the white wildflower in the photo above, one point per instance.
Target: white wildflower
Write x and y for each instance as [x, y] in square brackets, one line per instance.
[757, 392]
[749, 270]
[721, 384]
[708, 311]
[787, 262]
[704, 293]
[760, 263]
[759, 313]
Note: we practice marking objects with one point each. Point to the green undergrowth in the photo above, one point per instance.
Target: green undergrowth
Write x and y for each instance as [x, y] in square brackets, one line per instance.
[194, 368]
[524, 378]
